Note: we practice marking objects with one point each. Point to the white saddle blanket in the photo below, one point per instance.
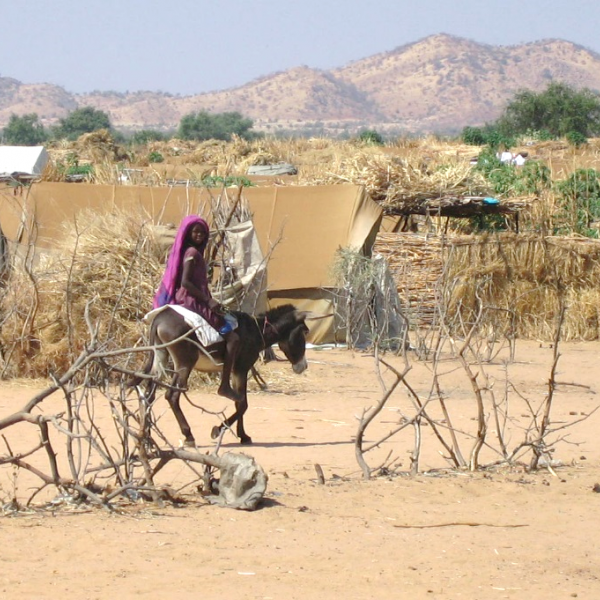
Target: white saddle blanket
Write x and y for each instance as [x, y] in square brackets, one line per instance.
[206, 334]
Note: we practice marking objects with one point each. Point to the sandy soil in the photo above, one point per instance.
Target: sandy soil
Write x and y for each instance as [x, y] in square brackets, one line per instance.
[500, 533]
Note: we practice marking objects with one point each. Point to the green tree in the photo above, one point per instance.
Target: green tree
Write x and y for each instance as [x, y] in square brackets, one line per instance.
[559, 109]
[24, 131]
[221, 126]
[80, 121]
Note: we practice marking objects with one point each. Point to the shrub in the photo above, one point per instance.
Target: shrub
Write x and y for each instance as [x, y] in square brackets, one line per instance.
[371, 137]
[575, 138]
[202, 126]
[533, 177]
[489, 135]
[500, 175]
[144, 136]
[474, 136]
[580, 202]
[155, 157]
[86, 169]
[507, 179]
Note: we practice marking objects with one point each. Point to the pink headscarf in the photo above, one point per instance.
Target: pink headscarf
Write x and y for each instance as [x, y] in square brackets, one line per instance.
[172, 276]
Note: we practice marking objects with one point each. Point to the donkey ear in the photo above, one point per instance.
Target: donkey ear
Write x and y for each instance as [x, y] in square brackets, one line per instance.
[310, 316]
[301, 315]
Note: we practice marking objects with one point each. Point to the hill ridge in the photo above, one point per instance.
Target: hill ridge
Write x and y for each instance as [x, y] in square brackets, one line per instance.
[439, 83]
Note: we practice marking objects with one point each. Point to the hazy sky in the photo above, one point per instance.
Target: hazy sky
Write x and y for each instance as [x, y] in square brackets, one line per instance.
[192, 46]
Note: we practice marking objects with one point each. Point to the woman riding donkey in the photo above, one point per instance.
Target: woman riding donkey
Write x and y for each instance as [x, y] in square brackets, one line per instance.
[185, 283]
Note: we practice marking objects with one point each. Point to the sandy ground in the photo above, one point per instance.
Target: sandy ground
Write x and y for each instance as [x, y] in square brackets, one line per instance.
[499, 533]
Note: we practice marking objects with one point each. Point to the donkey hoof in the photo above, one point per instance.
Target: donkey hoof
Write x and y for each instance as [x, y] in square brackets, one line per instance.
[215, 432]
[246, 440]
[190, 443]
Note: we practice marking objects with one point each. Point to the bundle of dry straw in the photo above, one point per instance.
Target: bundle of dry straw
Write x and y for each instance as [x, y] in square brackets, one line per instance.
[109, 263]
[102, 273]
[401, 184]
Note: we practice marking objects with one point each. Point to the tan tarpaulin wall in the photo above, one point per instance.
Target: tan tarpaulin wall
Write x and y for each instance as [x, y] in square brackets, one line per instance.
[302, 227]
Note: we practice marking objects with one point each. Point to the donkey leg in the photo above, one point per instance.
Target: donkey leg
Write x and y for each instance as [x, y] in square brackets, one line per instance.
[240, 381]
[232, 346]
[241, 405]
[173, 395]
[155, 368]
[242, 408]
[147, 389]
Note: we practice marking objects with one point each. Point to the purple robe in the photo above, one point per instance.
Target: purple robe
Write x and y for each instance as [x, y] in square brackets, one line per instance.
[170, 290]
[200, 279]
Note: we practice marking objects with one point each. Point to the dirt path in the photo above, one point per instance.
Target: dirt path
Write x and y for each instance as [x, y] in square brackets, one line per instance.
[498, 534]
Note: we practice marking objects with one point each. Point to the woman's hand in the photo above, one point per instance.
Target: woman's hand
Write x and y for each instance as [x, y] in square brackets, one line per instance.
[214, 305]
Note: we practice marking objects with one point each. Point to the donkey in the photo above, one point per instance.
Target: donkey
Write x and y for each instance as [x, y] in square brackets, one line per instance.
[173, 337]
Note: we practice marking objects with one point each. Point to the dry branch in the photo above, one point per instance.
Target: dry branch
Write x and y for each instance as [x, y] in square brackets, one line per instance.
[133, 463]
[518, 439]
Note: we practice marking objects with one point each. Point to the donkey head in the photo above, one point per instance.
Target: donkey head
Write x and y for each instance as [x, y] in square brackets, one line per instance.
[292, 341]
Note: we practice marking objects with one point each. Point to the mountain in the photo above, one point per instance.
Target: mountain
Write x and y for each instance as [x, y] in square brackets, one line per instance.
[443, 82]
[438, 84]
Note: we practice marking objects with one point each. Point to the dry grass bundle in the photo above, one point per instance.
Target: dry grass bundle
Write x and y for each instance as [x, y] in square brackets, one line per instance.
[398, 184]
[244, 154]
[210, 152]
[366, 304]
[107, 264]
[389, 172]
[229, 156]
[563, 158]
[433, 146]
[96, 150]
[256, 158]
[53, 172]
[99, 146]
[112, 261]
[430, 165]
[172, 148]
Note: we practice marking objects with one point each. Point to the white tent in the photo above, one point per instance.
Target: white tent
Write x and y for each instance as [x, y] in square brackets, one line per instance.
[22, 159]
